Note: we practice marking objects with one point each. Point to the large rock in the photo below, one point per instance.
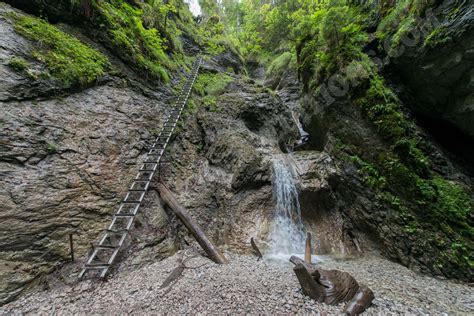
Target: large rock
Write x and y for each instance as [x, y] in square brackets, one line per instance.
[67, 157]
[65, 161]
[438, 66]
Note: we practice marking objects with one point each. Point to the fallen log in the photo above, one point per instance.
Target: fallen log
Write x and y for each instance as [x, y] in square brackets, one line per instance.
[211, 250]
[296, 260]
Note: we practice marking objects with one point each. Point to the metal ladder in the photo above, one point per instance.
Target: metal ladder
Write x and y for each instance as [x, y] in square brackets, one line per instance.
[105, 252]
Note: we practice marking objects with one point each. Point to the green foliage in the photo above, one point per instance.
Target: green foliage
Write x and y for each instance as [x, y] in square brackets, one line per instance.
[209, 86]
[452, 204]
[332, 39]
[370, 174]
[280, 64]
[68, 59]
[51, 148]
[437, 37]
[400, 19]
[18, 64]
[145, 46]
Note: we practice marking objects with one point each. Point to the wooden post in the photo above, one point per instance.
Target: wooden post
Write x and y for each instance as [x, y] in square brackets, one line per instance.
[255, 248]
[211, 250]
[307, 253]
[71, 246]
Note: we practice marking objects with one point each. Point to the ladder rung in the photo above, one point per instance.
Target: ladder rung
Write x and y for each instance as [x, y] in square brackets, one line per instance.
[157, 152]
[134, 197]
[144, 175]
[106, 246]
[122, 221]
[124, 215]
[139, 186]
[116, 232]
[149, 167]
[96, 266]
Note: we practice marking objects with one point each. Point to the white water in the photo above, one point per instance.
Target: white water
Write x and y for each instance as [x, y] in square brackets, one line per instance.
[194, 7]
[287, 235]
[303, 134]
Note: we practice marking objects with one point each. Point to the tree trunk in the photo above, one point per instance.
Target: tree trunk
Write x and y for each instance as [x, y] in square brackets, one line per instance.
[86, 7]
[191, 225]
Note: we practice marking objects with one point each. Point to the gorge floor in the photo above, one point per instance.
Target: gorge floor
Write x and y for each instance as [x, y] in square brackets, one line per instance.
[245, 285]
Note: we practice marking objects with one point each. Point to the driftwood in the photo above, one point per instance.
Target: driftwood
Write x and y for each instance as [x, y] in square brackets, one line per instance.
[307, 253]
[174, 276]
[177, 272]
[308, 283]
[296, 260]
[211, 250]
[360, 301]
[255, 249]
[332, 287]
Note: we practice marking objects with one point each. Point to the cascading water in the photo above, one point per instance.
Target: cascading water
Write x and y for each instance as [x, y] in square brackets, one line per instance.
[287, 235]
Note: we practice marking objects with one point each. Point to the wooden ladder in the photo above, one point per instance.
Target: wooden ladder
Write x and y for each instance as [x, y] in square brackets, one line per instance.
[105, 252]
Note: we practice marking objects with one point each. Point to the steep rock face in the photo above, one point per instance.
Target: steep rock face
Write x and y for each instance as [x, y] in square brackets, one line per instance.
[222, 172]
[66, 159]
[370, 193]
[438, 65]
[68, 156]
[344, 132]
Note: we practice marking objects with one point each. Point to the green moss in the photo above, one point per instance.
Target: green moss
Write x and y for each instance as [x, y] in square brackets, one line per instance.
[67, 59]
[18, 64]
[209, 86]
[437, 37]
[370, 174]
[280, 64]
[145, 47]
[51, 148]
[451, 203]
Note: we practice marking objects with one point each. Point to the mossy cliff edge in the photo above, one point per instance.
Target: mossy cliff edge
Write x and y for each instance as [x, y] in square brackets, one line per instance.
[421, 210]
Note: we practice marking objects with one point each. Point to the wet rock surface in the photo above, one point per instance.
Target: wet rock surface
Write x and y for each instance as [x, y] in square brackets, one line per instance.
[245, 286]
[222, 171]
[437, 65]
[66, 158]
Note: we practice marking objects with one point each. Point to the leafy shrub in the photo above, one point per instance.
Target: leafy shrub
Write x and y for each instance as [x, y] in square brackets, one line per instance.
[280, 64]
[210, 86]
[144, 46]
[68, 59]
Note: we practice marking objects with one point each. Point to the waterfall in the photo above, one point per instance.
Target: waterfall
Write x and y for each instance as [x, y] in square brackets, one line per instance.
[286, 234]
[194, 7]
[304, 136]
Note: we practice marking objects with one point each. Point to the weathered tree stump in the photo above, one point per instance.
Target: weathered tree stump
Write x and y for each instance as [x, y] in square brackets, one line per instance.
[332, 287]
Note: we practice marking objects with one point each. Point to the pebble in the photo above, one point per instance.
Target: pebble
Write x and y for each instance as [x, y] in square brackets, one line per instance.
[245, 286]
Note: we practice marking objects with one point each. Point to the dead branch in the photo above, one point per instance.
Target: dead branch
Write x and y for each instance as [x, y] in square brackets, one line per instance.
[255, 249]
[307, 253]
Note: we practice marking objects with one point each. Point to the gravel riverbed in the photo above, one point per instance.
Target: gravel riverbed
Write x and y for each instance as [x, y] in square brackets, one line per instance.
[245, 285]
